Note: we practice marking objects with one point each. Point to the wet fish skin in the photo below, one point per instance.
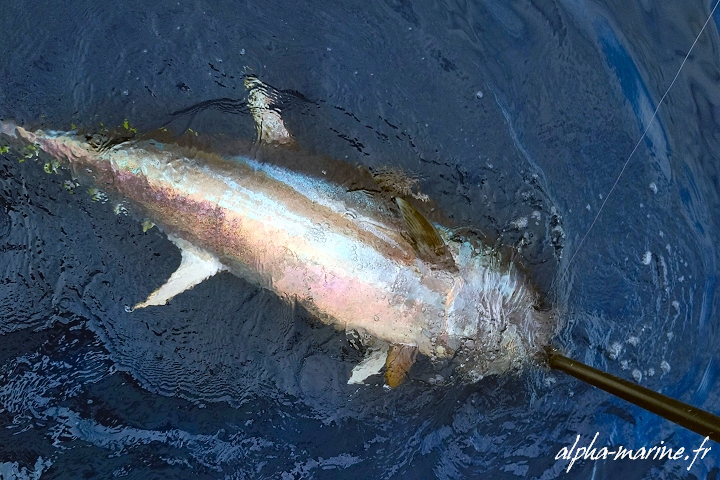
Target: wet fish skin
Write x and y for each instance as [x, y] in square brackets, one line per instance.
[340, 254]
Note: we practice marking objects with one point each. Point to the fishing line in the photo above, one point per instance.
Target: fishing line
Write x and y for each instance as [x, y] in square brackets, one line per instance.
[642, 137]
[695, 419]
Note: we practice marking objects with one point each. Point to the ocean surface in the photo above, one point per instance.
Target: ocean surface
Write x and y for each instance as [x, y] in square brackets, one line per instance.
[517, 116]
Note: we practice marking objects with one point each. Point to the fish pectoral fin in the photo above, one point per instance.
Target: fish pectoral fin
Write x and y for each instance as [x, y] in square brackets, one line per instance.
[196, 265]
[425, 239]
[268, 122]
[373, 362]
[400, 359]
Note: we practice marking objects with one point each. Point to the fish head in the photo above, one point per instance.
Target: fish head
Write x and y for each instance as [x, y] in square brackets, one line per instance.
[493, 320]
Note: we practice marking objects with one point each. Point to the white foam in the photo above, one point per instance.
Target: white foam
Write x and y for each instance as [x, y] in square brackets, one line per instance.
[665, 366]
[520, 223]
[614, 350]
[15, 471]
[647, 258]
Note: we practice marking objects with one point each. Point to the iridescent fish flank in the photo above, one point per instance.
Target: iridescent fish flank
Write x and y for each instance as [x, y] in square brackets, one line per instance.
[361, 259]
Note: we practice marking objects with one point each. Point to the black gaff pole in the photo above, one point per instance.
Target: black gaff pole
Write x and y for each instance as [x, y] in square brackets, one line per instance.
[699, 421]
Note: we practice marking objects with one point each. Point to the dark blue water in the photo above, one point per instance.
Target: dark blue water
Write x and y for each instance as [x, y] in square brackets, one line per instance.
[517, 116]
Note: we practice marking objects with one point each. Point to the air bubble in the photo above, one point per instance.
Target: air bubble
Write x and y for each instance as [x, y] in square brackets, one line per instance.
[665, 366]
[614, 350]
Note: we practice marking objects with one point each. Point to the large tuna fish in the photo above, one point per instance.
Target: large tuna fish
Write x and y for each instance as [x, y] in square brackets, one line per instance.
[350, 246]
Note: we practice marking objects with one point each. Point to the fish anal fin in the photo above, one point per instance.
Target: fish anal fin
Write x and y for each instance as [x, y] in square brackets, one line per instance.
[400, 359]
[425, 239]
[268, 122]
[196, 265]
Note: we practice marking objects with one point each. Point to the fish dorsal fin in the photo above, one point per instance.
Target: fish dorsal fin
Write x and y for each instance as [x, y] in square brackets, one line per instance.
[268, 122]
[425, 239]
[373, 362]
[196, 265]
[400, 359]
